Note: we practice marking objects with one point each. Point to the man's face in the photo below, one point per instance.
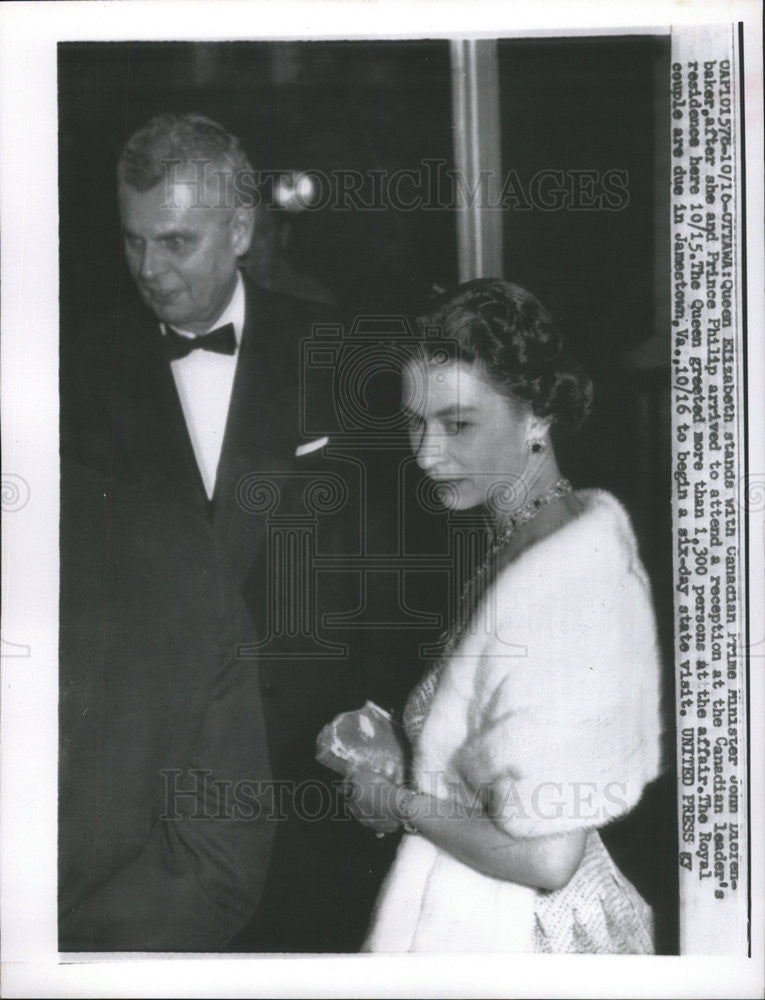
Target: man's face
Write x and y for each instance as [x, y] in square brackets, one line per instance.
[182, 254]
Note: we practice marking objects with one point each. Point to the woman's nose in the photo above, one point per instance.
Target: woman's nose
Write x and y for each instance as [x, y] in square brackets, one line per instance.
[428, 448]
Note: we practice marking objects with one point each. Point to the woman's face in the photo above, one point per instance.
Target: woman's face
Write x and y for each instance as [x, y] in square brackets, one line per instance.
[466, 435]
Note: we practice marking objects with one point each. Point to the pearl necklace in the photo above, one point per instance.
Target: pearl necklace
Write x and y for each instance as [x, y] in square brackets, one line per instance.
[467, 600]
[526, 513]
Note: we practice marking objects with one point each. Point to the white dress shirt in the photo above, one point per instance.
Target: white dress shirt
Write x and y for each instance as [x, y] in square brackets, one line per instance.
[204, 380]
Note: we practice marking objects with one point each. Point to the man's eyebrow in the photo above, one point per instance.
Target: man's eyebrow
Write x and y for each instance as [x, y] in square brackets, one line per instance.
[185, 234]
[168, 234]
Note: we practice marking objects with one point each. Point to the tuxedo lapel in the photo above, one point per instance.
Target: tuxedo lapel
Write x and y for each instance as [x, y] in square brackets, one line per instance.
[248, 448]
[241, 441]
[263, 425]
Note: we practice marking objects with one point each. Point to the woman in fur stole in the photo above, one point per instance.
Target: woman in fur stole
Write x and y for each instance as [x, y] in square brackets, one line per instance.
[540, 722]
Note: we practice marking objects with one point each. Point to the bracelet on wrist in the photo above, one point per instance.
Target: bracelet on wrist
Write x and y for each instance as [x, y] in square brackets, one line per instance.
[405, 808]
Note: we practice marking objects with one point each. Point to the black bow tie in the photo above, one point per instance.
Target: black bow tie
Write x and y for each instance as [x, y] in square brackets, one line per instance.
[222, 341]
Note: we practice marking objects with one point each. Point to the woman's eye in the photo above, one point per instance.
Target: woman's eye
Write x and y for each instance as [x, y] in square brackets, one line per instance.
[175, 243]
[456, 426]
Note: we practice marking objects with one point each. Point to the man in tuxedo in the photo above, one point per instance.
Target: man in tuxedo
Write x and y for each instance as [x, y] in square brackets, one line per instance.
[161, 729]
[193, 402]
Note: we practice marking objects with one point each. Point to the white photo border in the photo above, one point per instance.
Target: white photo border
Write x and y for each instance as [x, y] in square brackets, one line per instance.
[31, 967]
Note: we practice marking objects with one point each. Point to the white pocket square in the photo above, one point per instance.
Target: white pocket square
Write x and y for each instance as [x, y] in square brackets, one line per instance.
[309, 446]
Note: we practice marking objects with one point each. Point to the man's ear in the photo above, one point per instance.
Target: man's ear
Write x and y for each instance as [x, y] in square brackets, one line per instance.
[242, 228]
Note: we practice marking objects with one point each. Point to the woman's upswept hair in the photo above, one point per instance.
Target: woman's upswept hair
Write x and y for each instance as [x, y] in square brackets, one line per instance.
[507, 332]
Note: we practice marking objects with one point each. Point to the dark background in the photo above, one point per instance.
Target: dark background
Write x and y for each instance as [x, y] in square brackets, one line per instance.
[575, 103]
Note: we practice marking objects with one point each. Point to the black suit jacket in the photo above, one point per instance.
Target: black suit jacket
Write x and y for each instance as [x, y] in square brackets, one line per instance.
[161, 730]
[121, 417]
[121, 414]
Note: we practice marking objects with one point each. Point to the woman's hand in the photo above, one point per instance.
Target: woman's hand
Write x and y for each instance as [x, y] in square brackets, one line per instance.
[545, 862]
[373, 800]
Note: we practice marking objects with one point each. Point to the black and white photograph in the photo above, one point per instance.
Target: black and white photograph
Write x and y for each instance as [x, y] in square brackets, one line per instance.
[393, 503]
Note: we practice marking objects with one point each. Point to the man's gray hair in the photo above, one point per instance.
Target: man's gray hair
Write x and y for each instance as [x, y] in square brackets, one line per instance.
[170, 140]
